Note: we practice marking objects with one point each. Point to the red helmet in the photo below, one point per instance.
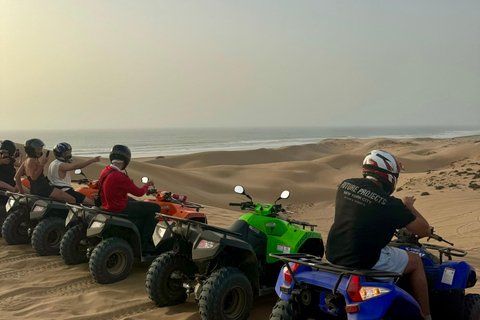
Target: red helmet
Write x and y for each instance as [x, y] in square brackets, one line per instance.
[383, 166]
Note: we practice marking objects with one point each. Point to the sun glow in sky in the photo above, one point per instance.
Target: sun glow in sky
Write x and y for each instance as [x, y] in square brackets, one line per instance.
[134, 64]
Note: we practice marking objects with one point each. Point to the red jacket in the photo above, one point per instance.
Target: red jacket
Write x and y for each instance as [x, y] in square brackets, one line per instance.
[115, 189]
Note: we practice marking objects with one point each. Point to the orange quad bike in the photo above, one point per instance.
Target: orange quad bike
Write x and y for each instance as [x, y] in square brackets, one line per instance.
[41, 220]
[112, 242]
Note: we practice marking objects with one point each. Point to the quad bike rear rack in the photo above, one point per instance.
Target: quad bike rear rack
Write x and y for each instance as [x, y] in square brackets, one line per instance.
[316, 263]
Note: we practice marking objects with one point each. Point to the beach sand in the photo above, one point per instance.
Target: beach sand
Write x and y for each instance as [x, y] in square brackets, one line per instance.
[33, 287]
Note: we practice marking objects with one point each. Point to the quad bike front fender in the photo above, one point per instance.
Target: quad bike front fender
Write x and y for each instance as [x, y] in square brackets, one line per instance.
[42, 209]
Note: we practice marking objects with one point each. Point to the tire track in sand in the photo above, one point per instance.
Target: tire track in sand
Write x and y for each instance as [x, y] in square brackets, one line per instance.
[72, 288]
[24, 272]
[128, 312]
[19, 258]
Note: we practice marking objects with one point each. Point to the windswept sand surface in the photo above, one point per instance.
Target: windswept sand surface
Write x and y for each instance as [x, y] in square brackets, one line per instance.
[33, 287]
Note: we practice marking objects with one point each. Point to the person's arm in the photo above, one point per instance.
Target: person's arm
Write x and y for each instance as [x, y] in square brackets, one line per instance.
[18, 177]
[6, 186]
[134, 190]
[74, 166]
[420, 225]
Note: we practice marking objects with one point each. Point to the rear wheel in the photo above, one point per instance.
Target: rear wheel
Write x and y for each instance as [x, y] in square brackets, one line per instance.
[226, 294]
[16, 227]
[165, 278]
[47, 235]
[74, 245]
[111, 260]
[471, 307]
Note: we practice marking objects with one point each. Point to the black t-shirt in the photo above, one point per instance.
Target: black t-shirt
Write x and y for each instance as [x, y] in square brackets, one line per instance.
[7, 172]
[365, 219]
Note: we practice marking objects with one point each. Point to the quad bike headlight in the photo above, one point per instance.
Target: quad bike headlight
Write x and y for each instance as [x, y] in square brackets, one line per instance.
[97, 224]
[39, 209]
[205, 244]
[9, 204]
[372, 292]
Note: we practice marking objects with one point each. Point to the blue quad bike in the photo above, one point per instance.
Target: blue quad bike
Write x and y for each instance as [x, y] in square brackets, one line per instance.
[313, 289]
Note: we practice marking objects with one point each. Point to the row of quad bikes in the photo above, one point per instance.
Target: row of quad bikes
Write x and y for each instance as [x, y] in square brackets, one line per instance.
[225, 268]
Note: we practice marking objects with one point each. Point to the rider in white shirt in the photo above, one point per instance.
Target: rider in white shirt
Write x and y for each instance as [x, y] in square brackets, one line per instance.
[59, 171]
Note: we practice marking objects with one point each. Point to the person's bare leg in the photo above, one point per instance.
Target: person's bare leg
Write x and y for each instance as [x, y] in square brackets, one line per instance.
[418, 282]
[88, 201]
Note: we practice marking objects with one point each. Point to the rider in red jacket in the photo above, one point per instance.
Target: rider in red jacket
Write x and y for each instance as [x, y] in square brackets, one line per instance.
[115, 187]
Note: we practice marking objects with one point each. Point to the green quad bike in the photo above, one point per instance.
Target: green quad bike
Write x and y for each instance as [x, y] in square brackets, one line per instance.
[226, 268]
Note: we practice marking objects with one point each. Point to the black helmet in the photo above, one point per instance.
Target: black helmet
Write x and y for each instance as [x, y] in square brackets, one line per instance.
[59, 149]
[120, 152]
[9, 146]
[31, 145]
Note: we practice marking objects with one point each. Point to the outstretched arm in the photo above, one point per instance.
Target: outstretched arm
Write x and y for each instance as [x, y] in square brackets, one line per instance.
[73, 166]
[6, 186]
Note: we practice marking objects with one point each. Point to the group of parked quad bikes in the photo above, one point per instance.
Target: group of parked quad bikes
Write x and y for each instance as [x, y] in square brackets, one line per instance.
[225, 268]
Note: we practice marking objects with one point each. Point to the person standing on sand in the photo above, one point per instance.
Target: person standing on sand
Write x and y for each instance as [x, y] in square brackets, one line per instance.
[366, 217]
[33, 169]
[59, 171]
[115, 187]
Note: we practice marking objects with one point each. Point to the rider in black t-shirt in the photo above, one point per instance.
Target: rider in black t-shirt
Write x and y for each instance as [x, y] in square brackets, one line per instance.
[366, 216]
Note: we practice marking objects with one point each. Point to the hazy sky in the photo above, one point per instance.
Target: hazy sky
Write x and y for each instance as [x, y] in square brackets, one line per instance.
[132, 64]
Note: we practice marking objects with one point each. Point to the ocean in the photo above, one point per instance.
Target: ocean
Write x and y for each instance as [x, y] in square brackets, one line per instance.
[169, 141]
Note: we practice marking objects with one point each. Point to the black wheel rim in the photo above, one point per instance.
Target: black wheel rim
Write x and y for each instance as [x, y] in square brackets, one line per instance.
[22, 229]
[234, 303]
[54, 237]
[116, 263]
[175, 283]
[82, 247]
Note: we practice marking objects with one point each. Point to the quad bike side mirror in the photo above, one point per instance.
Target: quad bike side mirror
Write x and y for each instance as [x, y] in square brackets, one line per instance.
[285, 194]
[145, 179]
[78, 171]
[239, 190]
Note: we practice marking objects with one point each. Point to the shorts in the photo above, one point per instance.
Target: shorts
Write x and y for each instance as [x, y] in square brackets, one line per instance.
[79, 197]
[41, 187]
[392, 259]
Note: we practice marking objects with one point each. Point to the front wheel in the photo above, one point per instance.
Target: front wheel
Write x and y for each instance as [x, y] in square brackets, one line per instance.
[15, 228]
[283, 310]
[75, 244]
[47, 235]
[111, 260]
[165, 278]
[226, 294]
[471, 307]
[3, 215]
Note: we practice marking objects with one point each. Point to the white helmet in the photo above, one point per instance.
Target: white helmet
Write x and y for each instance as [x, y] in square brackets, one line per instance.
[383, 166]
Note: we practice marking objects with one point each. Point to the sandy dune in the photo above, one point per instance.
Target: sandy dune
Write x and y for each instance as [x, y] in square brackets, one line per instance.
[447, 169]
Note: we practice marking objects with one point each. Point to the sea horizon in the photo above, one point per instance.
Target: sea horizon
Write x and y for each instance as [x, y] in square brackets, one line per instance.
[153, 142]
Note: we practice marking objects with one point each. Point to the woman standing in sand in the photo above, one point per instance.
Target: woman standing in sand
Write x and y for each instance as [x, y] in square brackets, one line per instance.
[33, 169]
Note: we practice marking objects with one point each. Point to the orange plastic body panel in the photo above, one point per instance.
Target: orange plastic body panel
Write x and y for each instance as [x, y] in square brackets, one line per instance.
[177, 210]
[90, 191]
[26, 183]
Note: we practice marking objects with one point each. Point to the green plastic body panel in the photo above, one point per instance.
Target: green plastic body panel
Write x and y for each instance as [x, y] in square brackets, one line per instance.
[283, 237]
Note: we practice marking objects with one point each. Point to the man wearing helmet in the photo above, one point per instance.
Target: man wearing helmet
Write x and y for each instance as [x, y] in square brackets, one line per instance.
[33, 169]
[59, 171]
[8, 165]
[366, 217]
[114, 189]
